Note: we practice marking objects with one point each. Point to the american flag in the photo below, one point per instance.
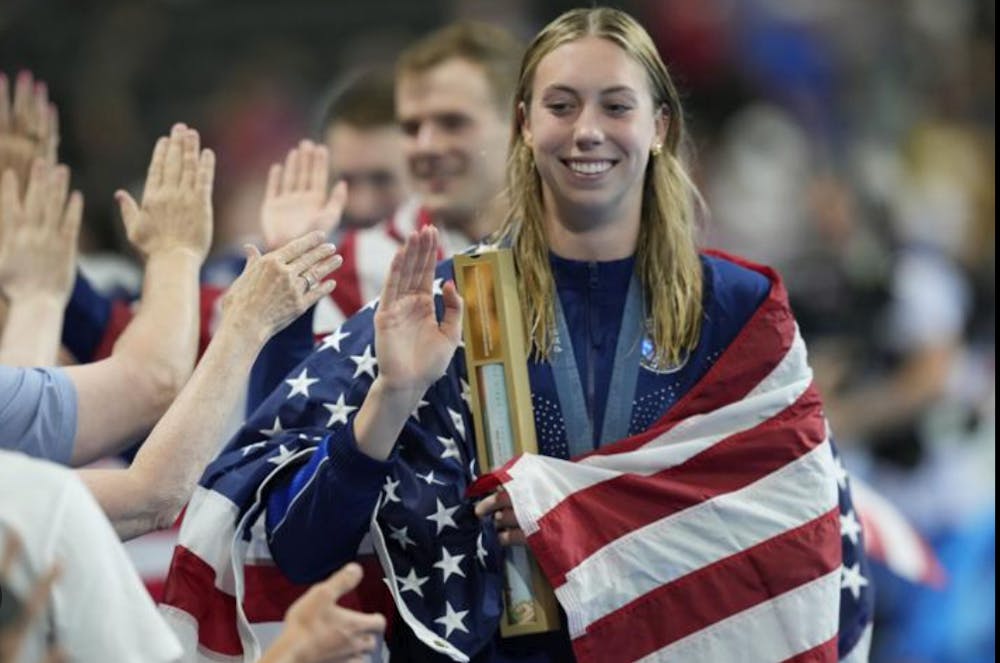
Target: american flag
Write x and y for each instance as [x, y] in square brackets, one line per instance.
[723, 532]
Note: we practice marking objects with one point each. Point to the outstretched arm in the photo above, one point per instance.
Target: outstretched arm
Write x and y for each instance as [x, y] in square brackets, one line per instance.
[269, 294]
[153, 358]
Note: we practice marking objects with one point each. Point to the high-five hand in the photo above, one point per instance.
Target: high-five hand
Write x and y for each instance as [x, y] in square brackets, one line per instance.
[176, 210]
[298, 200]
[413, 349]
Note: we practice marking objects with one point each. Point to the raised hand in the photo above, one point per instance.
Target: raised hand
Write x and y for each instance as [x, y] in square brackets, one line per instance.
[297, 199]
[29, 126]
[317, 630]
[176, 210]
[278, 287]
[38, 234]
[413, 349]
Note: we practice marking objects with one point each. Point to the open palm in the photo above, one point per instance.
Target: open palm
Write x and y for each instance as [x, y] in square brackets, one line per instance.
[413, 349]
[298, 199]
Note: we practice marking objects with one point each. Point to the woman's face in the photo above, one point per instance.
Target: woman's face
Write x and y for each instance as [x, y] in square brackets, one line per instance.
[591, 126]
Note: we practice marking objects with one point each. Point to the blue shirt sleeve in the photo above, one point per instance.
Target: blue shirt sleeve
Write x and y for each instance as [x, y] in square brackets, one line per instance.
[38, 412]
[338, 488]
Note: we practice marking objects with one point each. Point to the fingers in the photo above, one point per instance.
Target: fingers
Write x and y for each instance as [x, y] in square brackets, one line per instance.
[390, 289]
[304, 175]
[334, 208]
[35, 195]
[322, 289]
[297, 247]
[252, 253]
[38, 598]
[344, 580]
[492, 503]
[173, 163]
[154, 177]
[56, 190]
[73, 215]
[273, 182]
[129, 208]
[5, 119]
[52, 147]
[307, 260]
[9, 202]
[319, 171]
[512, 537]
[206, 171]
[189, 159]
[12, 550]
[429, 255]
[451, 321]
[21, 109]
[289, 171]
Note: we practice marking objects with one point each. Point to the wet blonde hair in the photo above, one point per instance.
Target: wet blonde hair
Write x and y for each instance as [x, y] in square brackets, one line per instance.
[666, 257]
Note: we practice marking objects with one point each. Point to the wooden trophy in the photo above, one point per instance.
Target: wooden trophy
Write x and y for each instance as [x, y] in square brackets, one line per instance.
[497, 361]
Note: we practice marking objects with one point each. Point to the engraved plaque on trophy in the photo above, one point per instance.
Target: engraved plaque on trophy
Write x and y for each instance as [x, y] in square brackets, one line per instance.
[497, 361]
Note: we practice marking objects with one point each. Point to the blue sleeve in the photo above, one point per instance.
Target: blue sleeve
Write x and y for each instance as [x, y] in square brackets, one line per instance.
[286, 350]
[87, 316]
[38, 412]
[337, 490]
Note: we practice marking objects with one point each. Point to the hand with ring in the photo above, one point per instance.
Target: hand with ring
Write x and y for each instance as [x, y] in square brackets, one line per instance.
[310, 280]
[268, 295]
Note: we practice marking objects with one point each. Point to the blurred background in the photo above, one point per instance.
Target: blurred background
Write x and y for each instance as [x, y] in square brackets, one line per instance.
[850, 144]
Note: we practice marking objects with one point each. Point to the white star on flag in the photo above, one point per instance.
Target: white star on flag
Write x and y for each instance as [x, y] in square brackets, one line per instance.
[450, 448]
[416, 412]
[851, 578]
[850, 527]
[390, 490]
[284, 453]
[333, 340]
[400, 536]
[366, 362]
[338, 411]
[449, 564]
[840, 473]
[456, 419]
[481, 550]
[466, 392]
[442, 516]
[271, 432]
[412, 582]
[371, 305]
[429, 478]
[301, 384]
[256, 445]
[452, 620]
[437, 289]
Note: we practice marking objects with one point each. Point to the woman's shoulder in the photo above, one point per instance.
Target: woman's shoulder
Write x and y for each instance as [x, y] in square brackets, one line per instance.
[734, 282]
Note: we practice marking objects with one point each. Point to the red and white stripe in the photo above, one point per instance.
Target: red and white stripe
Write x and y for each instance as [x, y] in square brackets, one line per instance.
[715, 535]
[211, 567]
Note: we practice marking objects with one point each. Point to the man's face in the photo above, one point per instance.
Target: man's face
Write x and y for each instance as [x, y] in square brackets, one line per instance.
[371, 161]
[455, 138]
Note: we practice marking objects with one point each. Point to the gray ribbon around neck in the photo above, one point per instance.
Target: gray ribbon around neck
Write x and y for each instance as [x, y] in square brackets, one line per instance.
[624, 376]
